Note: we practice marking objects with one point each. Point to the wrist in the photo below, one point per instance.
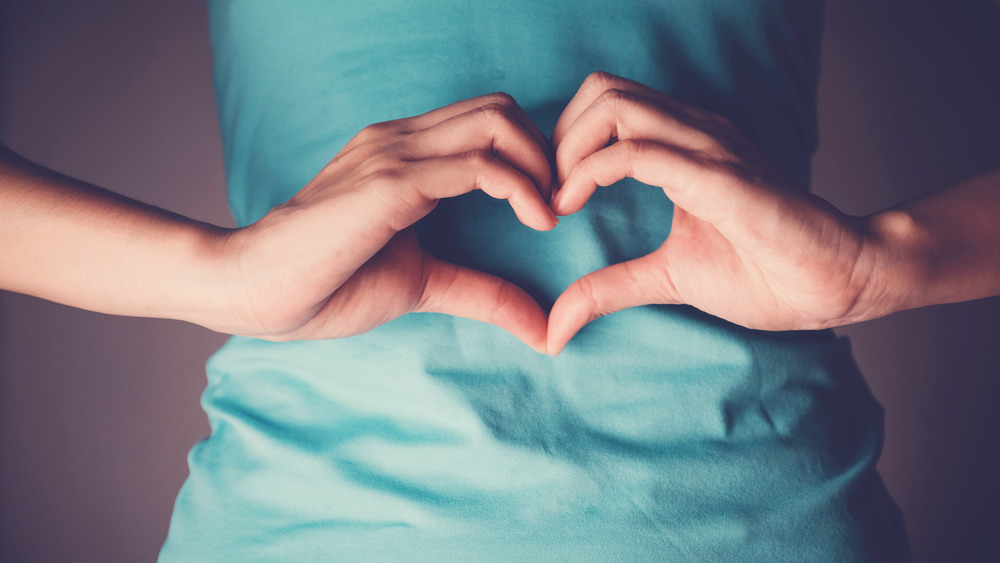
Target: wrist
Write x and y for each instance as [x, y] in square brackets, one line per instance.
[196, 277]
[897, 256]
[251, 269]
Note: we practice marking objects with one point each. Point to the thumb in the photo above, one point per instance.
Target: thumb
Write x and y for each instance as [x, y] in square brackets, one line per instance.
[642, 281]
[464, 292]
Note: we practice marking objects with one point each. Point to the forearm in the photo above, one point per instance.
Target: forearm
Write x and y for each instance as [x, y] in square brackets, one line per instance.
[940, 248]
[76, 244]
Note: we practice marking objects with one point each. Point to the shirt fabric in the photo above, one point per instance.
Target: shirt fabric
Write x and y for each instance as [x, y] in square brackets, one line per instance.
[660, 433]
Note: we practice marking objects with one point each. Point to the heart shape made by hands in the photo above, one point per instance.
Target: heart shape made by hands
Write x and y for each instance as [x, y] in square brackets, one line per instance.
[743, 244]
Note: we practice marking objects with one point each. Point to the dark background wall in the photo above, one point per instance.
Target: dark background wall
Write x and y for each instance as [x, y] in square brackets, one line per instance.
[97, 413]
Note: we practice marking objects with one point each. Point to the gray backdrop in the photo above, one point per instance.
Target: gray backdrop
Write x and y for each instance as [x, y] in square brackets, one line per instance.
[97, 413]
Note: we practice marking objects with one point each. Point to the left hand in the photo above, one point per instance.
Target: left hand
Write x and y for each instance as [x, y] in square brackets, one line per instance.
[341, 257]
[744, 245]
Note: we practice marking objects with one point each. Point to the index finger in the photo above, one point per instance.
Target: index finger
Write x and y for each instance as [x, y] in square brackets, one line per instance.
[502, 99]
[617, 116]
[493, 128]
[599, 82]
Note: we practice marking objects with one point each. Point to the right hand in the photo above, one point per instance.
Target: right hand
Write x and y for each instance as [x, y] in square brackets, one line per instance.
[341, 257]
[744, 245]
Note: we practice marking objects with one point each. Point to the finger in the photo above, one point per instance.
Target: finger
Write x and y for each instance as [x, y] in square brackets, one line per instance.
[502, 99]
[591, 87]
[427, 181]
[617, 115]
[743, 207]
[637, 282]
[491, 127]
[444, 113]
[596, 84]
[463, 292]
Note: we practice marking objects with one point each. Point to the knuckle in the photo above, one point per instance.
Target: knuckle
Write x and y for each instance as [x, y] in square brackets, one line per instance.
[589, 292]
[374, 132]
[494, 114]
[634, 151]
[600, 80]
[706, 144]
[503, 297]
[614, 96]
[666, 287]
[616, 101]
[477, 158]
[502, 99]
[634, 148]
[434, 283]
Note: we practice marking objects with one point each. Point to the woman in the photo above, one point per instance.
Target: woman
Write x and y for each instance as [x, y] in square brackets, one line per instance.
[659, 433]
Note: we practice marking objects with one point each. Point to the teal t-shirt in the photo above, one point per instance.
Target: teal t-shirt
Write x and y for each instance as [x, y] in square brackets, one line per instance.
[660, 433]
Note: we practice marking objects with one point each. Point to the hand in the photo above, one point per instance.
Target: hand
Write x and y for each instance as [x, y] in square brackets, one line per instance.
[743, 244]
[341, 258]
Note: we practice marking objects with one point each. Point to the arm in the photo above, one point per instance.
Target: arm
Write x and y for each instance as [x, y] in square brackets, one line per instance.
[339, 258]
[77, 244]
[744, 245]
[940, 248]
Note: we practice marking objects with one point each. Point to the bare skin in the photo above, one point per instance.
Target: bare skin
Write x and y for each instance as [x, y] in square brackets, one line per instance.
[338, 259]
[743, 245]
